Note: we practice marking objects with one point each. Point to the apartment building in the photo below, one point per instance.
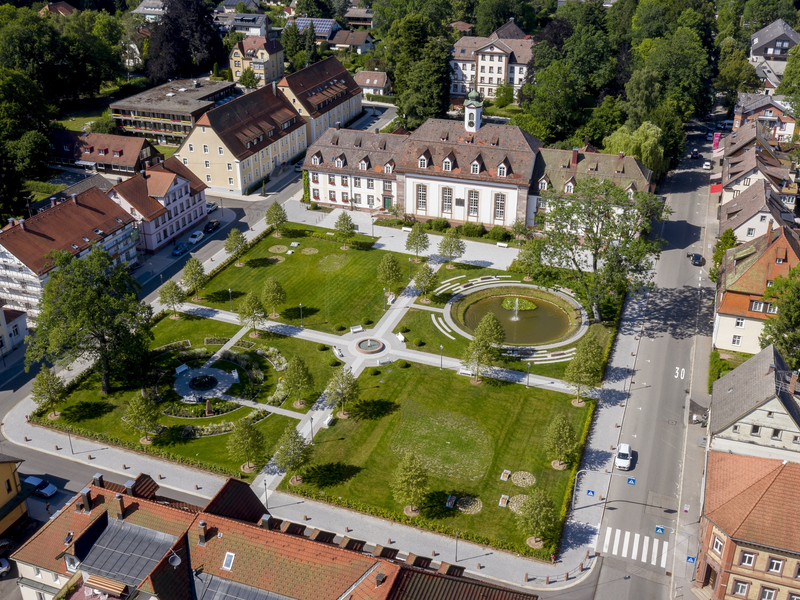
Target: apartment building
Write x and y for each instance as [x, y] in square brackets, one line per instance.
[13, 329]
[263, 55]
[754, 212]
[246, 23]
[168, 112]
[101, 152]
[75, 226]
[323, 94]
[13, 494]
[773, 113]
[236, 146]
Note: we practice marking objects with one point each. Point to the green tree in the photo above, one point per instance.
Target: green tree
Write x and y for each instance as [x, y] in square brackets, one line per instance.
[250, 311]
[90, 310]
[426, 84]
[451, 246]
[417, 241]
[603, 253]
[643, 93]
[725, 242]
[104, 124]
[681, 62]
[646, 144]
[555, 98]
[290, 40]
[23, 107]
[276, 217]
[426, 279]
[736, 73]
[389, 271]
[789, 85]
[589, 52]
[783, 328]
[315, 8]
[585, 370]
[520, 231]
[30, 154]
[760, 13]
[342, 389]
[172, 296]
[297, 377]
[248, 79]
[344, 228]
[503, 95]
[531, 263]
[141, 414]
[537, 516]
[310, 44]
[194, 277]
[235, 245]
[482, 350]
[246, 442]
[729, 20]
[273, 294]
[410, 482]
[230, 40]
[293, 450]
[490, 15]
[604, 121]
[560, 440]
[47, 390]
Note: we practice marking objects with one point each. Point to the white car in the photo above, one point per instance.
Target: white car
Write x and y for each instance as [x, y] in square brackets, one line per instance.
[623, 459]
[5, 567]
[196, 237]
[707, 165]
[45, 489]
[211, 207]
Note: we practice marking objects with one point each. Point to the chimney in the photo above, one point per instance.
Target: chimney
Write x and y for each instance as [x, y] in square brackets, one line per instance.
[379, 579]
[98, 480]
[574, 157]
[621, 154]
[74, 198]
[338, 125]
[147, 164]
[12, 221]
[202, 526]
[129, 487]
[119, 504]
[264, 521]
[86, 495]
[377, 130]
[119, 180]
[793, 383]
[78, 506]
[21, 223]
[274, 88]
[52, 202]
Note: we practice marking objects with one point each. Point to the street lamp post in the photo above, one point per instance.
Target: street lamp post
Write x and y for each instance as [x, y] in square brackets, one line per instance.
[457, 546]
[301, 315]
[230, 297]
[441, 356]
[409, 268]
[266, 498]
[528, 378]
[70, 440]
[162, 278]
[312, 429]
[384, 299]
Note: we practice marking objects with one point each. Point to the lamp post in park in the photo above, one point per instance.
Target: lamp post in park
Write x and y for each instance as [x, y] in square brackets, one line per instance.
[301, 315]
[441, 356]
[230, 298]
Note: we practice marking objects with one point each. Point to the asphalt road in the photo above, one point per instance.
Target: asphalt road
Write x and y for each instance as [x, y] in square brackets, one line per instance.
[636, 564]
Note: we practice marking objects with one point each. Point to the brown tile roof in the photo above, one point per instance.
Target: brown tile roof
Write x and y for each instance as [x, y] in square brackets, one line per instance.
[235, 500]
[62, 227]
[349, 38]
[371, 78]
[250, 46]
[759, 197]
[556, 167]
[249, 117]
[377, 149]
[58, 8]
[139, 192]
[461, 26]
[748, 498]
[5, 458]
[414, 584]
[325, 81]
[749, 135]
[508, 31]
[87, 146]
[166, 581]
[519, 49]
[174, 165]
[10, 315]
[742, 165]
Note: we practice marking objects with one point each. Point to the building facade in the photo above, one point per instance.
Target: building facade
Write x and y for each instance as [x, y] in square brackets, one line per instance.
[247, 23]
[13, 494]
[374, 82]
[13, 329]
[773, 42]
[87, 219]
[262, 55]
[774, 113]
[101, 152]
[754, 212]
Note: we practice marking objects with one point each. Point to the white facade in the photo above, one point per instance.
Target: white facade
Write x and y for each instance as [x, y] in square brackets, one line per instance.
[369, 191]
[39, 584]
[343, 114]
[768, 425]
[732, 190]
[484, 71]
[737, 334]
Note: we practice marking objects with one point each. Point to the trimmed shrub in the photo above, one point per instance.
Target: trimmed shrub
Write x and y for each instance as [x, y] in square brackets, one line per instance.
[366, 321]
[402, 364]
[373, 371]
[339, 327]
[437, 224]
[403, 329]
[499, 233]
[333, 361]
[716, 369]
[473, 230]
[321, 347]
[417, 342]
[314, 206]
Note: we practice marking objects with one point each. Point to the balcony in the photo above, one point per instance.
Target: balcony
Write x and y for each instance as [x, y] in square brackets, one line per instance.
[86, 592]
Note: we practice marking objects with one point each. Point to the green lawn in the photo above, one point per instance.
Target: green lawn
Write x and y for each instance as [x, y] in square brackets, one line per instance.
[167, 151]
[512, 110]
[336, 287]
[192, 328]
[75, 120]
[466, 435]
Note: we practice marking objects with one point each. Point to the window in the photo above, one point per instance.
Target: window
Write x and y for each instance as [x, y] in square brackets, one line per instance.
[208, 178]
[37, 572]
[772, 308]
[568, 188]
[387, 186]
[185, 161]
[54, 576]
[475, 168]
[191, 147]
[227, 564]
[501, 171]
[339, 162]
[739, 588]
[344, 180]
[776, 434]
[778, 261]
[447, 199]
[230, 180]
[72, 563]
[746, 181]
[208, 164]
[499, 206]
[735, 429]
[748, 559]
[756, 306]
[740, 322]
[718, 545]
[230, 167]
[314, 160]
[737, 340]
[387, 168]
[315, 178]
[345, 197]
[331, 179]
[755, 430]
[770, 414]
[447, 165]
[315, 193]
[763, 219]
[751, 231]
[357, 198]
[370, 201]
[39, 596]
[357, 182]
[370, 184]
[422, 197]
[423, 162]
[472, 208]
[769, 282]
[205, 149]
[767, 594]
[542, 185]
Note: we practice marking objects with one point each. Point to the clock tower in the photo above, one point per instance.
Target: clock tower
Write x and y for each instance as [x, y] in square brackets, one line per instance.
[473, 107]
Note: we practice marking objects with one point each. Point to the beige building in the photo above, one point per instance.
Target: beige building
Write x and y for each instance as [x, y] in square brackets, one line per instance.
[13, 329]
[12, 494]
[324, 95]
[236, 146]
[261, 54]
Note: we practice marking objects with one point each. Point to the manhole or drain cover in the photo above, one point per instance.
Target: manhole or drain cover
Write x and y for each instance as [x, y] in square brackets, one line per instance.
[381, 381]
[673, 422]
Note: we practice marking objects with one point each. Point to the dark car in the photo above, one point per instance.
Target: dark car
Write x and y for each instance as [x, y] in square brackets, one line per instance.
[211, 226]
[695, 153]
[180, 249]
[697, 260]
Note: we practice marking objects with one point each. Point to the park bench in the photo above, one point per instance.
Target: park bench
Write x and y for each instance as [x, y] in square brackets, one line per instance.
[338, 352]
[407, 229]
[502, 245]
[356, 329]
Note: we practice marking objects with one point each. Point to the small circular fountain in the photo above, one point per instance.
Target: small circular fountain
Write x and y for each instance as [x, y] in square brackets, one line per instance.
[202, 383]
[370, 346]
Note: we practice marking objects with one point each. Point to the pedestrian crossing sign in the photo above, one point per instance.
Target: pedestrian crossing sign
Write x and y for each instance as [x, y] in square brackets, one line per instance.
[660, 529]
[690, 559]
[590, 493]
[631, 480]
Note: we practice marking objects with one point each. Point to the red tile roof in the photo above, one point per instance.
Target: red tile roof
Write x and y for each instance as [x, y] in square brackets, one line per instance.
[138, 192]
[414, 584]
[250, 46]
[344, 37]
[87, 146]
[63, 226]
[325, 81]
[235, 500]
[173, 165]
[10, 315]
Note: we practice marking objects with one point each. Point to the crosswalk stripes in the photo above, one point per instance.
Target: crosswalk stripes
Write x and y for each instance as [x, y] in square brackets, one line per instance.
[653, 552]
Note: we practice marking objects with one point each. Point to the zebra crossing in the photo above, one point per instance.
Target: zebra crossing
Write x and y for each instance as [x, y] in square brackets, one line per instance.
[621, 543]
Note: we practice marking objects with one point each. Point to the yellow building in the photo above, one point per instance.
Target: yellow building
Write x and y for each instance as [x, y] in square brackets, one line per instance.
[12, 494]
[264, 56]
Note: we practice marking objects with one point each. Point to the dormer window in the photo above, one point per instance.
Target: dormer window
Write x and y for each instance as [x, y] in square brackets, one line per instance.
[569, 188]
[630, 193]
[475, 169]
[339, 163]
[423, 162]
[447, 165]
[362, 166]
[501, 171]
[315, 160]
[387, 168]
[542, 186]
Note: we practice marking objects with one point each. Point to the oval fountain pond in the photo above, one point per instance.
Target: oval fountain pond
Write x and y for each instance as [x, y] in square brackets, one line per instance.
[545, 323]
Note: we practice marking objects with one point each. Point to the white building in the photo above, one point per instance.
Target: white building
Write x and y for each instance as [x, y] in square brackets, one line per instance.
[753, 212]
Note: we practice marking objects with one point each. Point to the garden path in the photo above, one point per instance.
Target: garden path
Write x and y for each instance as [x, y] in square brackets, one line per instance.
[230, 344]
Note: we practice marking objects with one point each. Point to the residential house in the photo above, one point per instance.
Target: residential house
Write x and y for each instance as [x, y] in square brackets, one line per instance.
[773, 42]
[168, 112]
[324, 29]
[481, 64]
[13, 329]
[151, 10]
[353, 41]
[102, 152]
[13, 494]
[235, 146]
[232, 6]
[770, 73]
[94, 181]
[745, 273]
[773, 113]
[750, 529]
[167, 201]
[246, 23]
[324, 94]
[287, 11]
[462, 27]
[374, 82]
[748, 135]
[263, 55]
[230, 548]
[753, 212]
[87, 219]
[58, 8]
[740, 172]
[358, 17]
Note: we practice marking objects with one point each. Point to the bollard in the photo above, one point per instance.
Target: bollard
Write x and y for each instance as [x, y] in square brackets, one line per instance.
[547, 580]
[566, 576]
[587, 555]
[26, 438]
[124, 467]
[601, 497]
[433, 553]
[346, 529]
[580, 569]
[631, 353]
[479, 566]
[616, 425]
[197, 487]
[612, 447]
[305, 517]
[57, 447]
[160, 477]
[389, 541]
[90, 457]
[526, 578]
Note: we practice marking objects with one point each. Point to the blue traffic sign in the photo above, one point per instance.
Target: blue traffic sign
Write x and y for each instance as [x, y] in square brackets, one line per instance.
[690, 559]
[590, 493]
[660, 529]
[631, 480]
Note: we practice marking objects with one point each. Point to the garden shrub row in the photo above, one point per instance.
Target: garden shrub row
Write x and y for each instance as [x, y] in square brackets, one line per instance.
[358, 242]
[716, 368]
[196, 411]
[380, 98]
[498, 233]
[197, 431]
[171, 346]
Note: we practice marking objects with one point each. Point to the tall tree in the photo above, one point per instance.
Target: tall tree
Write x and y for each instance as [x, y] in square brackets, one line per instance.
[410, 481]
[246, 442]
[194, 277]
[315, 8]
[290, 40]
[23, 107]
[520, 231]
[141, 414]
[342, 389]
[601, 235]
[250, 311]
[48, 390]
[537, 515]
[417, 241]
[344, 228]
[560, 440]
[426, 90]
[451, 246]
[426, 279]
[736, 73]
[273, 294]
[310, 44]
[643, 93]
[90, 310]
[790, 84]
[490, 15]
[298, 378]
[585, 370]
[554, 98]
[605, 120]
[760, 13]
[248, 79]
[531, 262]
[646, 144]
[293, 450]
[235, 245]
[276, 217]
[591, 56]
[482, 349]
[389, 271]
[171, 296]
[783, 328]
[725, 242]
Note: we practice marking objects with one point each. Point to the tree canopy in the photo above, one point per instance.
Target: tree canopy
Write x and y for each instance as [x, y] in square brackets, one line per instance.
[783, 328]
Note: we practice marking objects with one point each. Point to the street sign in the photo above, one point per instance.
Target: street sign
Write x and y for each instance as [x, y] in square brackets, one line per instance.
[631, 480]
[686, 508]
[590, 493]
[660, 529]
[690, 559]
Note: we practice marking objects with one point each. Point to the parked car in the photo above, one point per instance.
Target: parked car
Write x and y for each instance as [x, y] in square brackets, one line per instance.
[211, 226]
[710, 136]
[298, 168]
[697, 260]
[695, 153]
[707, 165]
[180, 249]
[196, 237]
[623, 459]
[211, 207]
[44, 488]
[5, 567]
[5, 546]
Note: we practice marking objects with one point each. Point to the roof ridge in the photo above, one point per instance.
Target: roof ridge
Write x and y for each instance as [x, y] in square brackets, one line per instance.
[772, 474]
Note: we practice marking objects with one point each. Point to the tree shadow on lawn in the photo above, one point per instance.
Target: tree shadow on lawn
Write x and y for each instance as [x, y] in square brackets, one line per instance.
[86, 409]
[372, 410]
[293, 312]
[171, 436]
[434, 505]
[220, 296]
[258, 263]
[496, 383]
[330, 474]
